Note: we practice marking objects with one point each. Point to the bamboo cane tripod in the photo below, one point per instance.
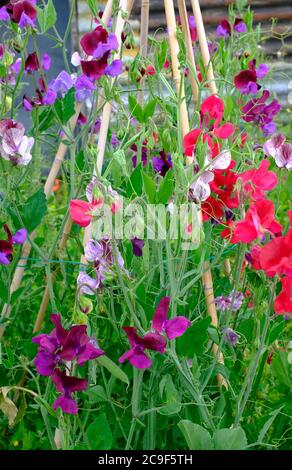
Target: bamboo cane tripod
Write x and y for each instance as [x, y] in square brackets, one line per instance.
[125, 8]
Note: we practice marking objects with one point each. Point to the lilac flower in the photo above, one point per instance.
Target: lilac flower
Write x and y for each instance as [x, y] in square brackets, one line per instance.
[103, 47]
[231, 337]
[46, 62]
[66, 385]
[136, 355]
[58, 86]
[200, 190]
[137, 245]
[224, 302]
[114, 69]
[84, 87]
[280, 150]
[114, 141]
[14, 145]
[93, 250]
[4, 15]
[20, 236]
[172, 328]
[87, 284]
[162, 163]
[49, 97]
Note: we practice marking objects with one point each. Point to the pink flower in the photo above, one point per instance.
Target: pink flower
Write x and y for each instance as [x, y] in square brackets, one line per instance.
[280, 150]
[81, 212]
[172, 328]
[283, 302]
[136, 355]
[257, 181]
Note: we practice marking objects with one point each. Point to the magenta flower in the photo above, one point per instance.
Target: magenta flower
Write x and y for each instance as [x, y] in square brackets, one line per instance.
[14, 145]
[172, 328]
[32, 63]
[24, 13]
[46, 62]
[223, 30]
[4, 15]
[239, 25]
[136, 355]
[66, 385]
[6, 246]
[62, 345]
[246, 80]
[94, 69]
[280, 150]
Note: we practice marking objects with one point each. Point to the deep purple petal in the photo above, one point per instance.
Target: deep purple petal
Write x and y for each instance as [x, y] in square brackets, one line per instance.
[67, 404]
[140, 360]
[160, 314]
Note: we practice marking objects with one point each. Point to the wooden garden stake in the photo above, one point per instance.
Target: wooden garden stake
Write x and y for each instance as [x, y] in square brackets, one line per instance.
[204, 46]
[190, 53]
[174, 49]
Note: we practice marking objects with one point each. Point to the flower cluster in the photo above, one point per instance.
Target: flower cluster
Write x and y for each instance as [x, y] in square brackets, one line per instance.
[15, 146]
[56, 352]
[21, 12]
[246, 80]
[155, 339]
[233, 301]
[224, 28]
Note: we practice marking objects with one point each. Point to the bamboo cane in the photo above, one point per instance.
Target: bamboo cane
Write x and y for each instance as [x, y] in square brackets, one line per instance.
[204, 46]
[207, 275]
[67, 228]
[190, 54]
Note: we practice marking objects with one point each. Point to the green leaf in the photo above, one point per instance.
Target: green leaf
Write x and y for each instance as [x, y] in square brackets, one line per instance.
[166, 188]
[99, 434]
[160, 55]
[193, 340]
[148, 110]
[47, 16]
[80, 160]
[93, 7]
[280, 368]
[96, 394]
[65, 108]
[136, 109]
[113, 368]
[230, 439]
[149, 188]
[196, 436]
[4, 292]
[135, 183]
[173, 405]
[277, 327]
[31, 212]
[268, 424]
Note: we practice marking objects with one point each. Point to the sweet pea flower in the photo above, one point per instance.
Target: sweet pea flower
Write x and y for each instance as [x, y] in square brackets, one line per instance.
[283, 302]
[277, 148]
[172, 328]
[136, 355]
[223, 30]
[239, 25]
[231, 337]
[24, 13]
[14, 145]
[66, 385]
[224, 302]
[162, 163]
[32, 63]
[84, 88]
[6, 246]
[58, 86]
[4, 15]
[46, 62]
[137, 245]
[257, 182]
[259, 112]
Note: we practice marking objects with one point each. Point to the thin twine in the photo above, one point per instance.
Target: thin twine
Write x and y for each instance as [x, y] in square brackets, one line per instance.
[85, 266]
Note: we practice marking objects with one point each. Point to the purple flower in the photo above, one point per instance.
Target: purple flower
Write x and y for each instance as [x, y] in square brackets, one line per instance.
[24, 13]
[66, 385]
[137, 246]
[6, 246]
[84, 87]
[162, 163]
[114, 69]
[280, 150]
[46, 62]
[231, 337]
[224, 302]
[172, 328]
[262, 71]
[49, 97]
[144, 157]
[257, 111]
[136, 355]
[14, 145]
[93, 250]
[239, 26]
[62, 83]
[32, 63]
[87, 285]
[78, 345]
[246, 80]
[4, 15]
[114, 141]
[223, 30]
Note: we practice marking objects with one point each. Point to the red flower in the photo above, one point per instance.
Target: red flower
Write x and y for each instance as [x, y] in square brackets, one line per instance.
[276, 256]
[260, 218]
[283, 302]
[25, 8]
[211, 112]
[256, 182]
[94, 69]
[32, 63]
[90, 41]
